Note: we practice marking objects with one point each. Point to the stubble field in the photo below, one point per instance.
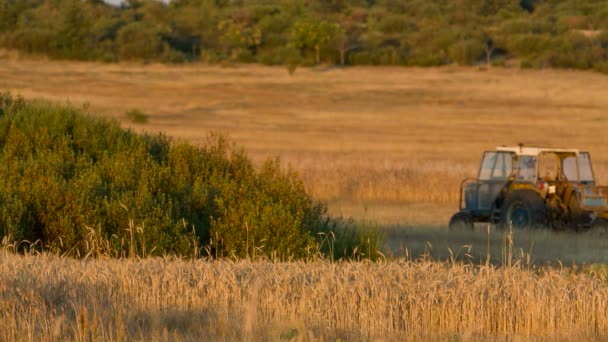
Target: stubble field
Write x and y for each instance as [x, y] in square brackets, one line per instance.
[387, 146]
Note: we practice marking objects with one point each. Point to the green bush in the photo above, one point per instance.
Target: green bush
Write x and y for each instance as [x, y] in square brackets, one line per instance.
[467, 52]
[601, 67]
[79, 185]
[575, 51]
[394, 23]
[136, 116]
[525, 45]
[287, 55]
[527, 26]
[171, 56]
[427, 59]
[529, 63]
[138, 41]
[34, 40]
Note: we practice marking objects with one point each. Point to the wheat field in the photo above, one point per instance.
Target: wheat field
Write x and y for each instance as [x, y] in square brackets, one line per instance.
[51, 298]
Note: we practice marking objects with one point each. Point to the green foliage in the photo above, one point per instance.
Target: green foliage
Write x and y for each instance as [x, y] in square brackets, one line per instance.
[138, 41]
[354, 240]
[136, 116]
[314, 36]
[347, 32]
[529, 44]
[82, 185]
[394, 24]
[467, 52]
[238, 39]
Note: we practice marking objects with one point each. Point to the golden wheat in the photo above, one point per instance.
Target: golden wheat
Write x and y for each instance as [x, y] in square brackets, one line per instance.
[51, 298]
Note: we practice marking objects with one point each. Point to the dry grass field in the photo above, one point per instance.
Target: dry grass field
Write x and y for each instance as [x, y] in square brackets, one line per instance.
[50, 298]
[387, 144]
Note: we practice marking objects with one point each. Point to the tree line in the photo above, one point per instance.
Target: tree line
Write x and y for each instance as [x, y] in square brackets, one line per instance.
[537, 33]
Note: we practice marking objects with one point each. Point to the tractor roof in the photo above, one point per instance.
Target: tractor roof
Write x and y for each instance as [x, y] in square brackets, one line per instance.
[534, 151]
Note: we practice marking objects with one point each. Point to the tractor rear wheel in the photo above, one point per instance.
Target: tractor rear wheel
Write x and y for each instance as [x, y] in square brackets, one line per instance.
[461, 222]
[523, 209]
[599, 228]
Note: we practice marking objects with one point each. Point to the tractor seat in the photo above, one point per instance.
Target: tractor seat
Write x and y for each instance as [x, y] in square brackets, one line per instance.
[564, 190]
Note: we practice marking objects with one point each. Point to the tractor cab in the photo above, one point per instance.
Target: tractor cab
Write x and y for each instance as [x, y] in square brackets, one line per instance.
[532, 186]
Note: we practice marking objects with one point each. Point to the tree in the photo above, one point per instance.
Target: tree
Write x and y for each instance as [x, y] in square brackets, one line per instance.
[467, 51]
[237, 38]
[138, 41]
[73, 36]
[341, 42]
[313, 35]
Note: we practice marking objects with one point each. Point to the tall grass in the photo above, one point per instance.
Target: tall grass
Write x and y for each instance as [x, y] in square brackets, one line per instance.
[386, 181]
[55, 298]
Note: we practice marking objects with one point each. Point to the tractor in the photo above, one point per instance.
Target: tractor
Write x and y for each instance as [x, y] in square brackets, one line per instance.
[533, 187]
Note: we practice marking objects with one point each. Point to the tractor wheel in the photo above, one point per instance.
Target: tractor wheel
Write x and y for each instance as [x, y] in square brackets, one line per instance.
[523, 209]
[461, 222]
[599, 228]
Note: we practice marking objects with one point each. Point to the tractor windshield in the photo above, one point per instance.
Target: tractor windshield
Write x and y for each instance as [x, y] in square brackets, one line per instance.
[527, 168]
[584, 167]
[496, 166]
[548, 169]
[570, 168]
[578, 171]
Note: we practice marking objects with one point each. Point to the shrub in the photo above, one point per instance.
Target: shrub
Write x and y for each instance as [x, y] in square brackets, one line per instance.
[526, 26]
[172, 56]
[138, 41]
[79, 184]
[287, 55]
[34, 40]
[574, 22]
[575, 51]
[531, 63]
[427, 59]
[392, 24]
[467, 52]
[136, 116]
[601, 67]
[528, 44]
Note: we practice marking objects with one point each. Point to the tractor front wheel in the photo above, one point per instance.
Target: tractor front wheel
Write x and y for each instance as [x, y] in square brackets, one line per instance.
[461, 222]
[523, 209]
